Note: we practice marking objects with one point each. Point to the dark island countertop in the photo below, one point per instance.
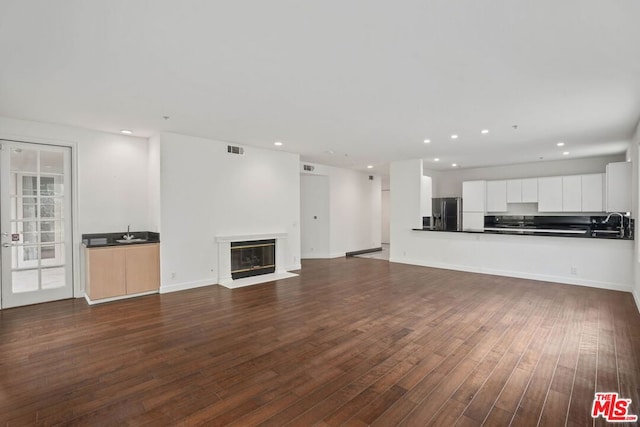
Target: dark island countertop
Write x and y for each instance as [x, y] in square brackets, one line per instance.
[582, 234]
[98, 240]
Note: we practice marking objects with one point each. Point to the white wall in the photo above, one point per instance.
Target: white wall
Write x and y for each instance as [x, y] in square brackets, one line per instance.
[633, 154]
[355, 209]
[449, 183]
[406, 180]
[314, 216]
[112, 173]
[386, 216]
[426, 193]
[206, 192]
[153, 183]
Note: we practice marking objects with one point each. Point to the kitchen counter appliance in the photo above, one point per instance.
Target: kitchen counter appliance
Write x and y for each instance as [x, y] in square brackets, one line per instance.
[446, 213]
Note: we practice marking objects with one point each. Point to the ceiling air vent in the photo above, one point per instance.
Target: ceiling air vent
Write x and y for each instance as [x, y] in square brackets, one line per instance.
[308, 168]
[232, 149]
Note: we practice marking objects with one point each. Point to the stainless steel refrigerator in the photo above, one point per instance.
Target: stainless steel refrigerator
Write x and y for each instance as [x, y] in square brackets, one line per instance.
[446, 213]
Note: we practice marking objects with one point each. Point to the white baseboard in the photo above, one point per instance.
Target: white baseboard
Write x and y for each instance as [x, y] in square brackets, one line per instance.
[323, 255]
[165, 289]
[254, 280]
[517, 274]
[314, 255]
[636, 296]
[293, 267]
[100, 301]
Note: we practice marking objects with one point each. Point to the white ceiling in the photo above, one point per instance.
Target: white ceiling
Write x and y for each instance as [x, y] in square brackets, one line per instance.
[368, 80]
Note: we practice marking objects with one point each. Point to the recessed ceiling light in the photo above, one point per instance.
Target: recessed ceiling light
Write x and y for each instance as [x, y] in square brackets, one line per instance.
[565, 153]
[560, 144]
[126, 132]
[369, 166]
[454, 136]
[426, 141]
[484, 131]
[436, 159]
[277, 143]
[454, 165]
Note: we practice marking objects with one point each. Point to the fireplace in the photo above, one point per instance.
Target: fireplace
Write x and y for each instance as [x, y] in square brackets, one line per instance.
[230, 247]
[252, 258]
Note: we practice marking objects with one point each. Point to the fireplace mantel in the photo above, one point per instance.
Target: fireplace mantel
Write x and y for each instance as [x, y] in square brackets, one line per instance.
[224, 259]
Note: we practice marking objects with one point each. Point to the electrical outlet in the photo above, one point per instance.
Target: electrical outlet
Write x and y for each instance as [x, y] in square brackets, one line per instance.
[574, 270]
[173, 275]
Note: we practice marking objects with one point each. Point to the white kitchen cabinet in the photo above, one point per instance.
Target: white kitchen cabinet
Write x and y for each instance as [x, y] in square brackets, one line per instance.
[473, 221]
[550, 194]
[530, 190]
[474, 196]
[618, 187]
[572, 193]
[497, 196]
[522, 190]
[514, 191]
[593, 192]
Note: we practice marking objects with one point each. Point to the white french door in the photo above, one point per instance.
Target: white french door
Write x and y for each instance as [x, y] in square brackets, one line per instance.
[35, 223]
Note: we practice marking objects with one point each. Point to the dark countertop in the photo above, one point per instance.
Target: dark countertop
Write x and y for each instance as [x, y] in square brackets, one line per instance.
[99, 240]
[555, 233]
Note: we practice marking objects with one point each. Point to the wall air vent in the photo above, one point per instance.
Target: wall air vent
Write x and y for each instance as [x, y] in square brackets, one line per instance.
[370, 177]
[308, 168]
[233, 149]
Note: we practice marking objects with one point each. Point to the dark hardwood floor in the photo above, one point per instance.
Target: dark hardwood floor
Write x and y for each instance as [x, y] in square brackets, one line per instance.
[349, 342]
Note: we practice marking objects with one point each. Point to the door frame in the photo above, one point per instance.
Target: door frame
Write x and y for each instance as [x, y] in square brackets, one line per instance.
[76, 239]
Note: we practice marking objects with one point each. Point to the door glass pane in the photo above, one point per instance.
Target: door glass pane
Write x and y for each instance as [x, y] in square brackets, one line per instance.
[53, 278]
[51, 231]
[24, 160]
[51, 162]
[29, 253]
[29, 185]
[24, 207]
[52, 255]
[24, 280]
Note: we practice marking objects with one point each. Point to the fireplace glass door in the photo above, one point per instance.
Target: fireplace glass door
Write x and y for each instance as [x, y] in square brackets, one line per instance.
[252, 258]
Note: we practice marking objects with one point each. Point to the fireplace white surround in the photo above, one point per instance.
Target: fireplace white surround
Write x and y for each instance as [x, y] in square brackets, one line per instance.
[224, 260]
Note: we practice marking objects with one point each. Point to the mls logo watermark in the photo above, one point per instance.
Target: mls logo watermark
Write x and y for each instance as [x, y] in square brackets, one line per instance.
[612, 408]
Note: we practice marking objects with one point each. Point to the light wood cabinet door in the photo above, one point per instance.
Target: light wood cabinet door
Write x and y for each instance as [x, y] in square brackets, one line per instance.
[142, 268]
[105, 270]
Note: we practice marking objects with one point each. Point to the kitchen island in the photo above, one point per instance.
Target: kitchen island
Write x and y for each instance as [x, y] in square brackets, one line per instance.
[590, 261]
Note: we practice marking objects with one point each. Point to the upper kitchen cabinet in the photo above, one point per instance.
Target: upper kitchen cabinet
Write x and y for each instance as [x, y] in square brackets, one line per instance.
[618, 177]
[497, 196]
[550, 194]
[522, 190]
[530, 190]
[474, 196]
[593, 192]
[514, 191]
[572, 193]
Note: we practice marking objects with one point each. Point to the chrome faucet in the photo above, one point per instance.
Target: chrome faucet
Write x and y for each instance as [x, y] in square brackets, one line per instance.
[129, 236]
[621, 222]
